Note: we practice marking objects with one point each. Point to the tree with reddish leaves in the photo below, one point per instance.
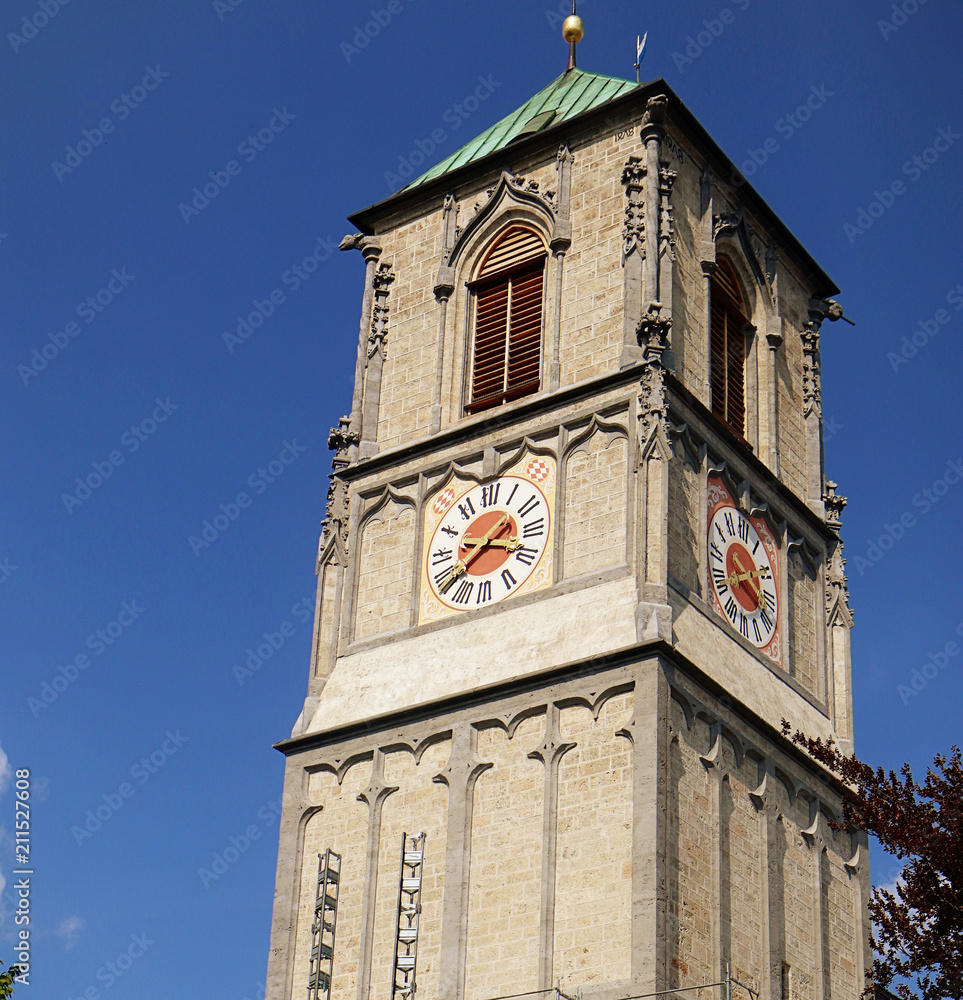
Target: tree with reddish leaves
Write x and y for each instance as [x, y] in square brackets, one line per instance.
[918, 930]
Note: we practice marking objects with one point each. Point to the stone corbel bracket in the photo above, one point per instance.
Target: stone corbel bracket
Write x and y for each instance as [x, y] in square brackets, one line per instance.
[806, 552]
[741, 490]
[693, 450]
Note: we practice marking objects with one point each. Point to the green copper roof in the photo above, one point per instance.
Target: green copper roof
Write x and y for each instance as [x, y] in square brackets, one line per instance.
[571, 94]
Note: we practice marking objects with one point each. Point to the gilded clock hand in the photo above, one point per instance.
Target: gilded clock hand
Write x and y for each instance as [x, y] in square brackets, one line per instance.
[484, 540]
[740, 577]
[461, 566]
[747, 576]
[453, 574]
[510, 543]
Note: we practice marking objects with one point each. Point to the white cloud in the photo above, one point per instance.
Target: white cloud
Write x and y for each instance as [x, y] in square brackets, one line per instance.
[890, 881]
[69, 930]
[6, 773]
[39, 789]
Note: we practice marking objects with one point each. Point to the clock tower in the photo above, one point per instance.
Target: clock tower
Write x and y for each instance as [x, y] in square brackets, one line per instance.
[580, 559]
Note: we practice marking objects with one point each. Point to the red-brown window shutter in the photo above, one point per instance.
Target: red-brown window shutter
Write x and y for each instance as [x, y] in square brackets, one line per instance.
[507, 346]
[727, 340]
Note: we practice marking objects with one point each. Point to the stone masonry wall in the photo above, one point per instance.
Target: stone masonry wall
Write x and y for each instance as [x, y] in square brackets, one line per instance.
[593, 904]
[505, 886]
[387, 552]
[419, 806]
[591, 330]
[690, 310]
[341, 825]
[688, 864]
[686, 523]
[802, 596]
[408, 378]
[596, 505]
[743, 870]
[739, 850]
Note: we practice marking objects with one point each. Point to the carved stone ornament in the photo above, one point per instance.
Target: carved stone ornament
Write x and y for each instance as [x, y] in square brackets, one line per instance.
[812, 386]
[633, 232]
[666, 217]
[726, 223]
[653, 339]
[341, 439]
[369, 246]
[353, 241]
[378, 337]
[655, 114]
[837, 591]
[508, 189]
[834, 506]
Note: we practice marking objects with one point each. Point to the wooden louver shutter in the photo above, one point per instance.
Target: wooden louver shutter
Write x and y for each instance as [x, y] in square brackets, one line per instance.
[727, 348]
[507, 351]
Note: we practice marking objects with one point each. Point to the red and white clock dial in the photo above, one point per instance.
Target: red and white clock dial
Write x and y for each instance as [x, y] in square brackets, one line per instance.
[743, 571]
[489, 542]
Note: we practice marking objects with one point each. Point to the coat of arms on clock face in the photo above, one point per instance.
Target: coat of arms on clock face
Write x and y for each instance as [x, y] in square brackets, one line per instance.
[490, 541]
[743, 570]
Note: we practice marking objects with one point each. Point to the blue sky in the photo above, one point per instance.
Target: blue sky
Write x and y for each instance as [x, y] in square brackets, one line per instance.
[150, 722]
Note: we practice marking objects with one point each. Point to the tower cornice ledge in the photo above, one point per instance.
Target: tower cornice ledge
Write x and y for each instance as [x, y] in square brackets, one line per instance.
[676, 666]
[413, 201]
[517, 413]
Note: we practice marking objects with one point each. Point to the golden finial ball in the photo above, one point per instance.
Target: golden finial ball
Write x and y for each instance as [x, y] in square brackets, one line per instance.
[573, 28]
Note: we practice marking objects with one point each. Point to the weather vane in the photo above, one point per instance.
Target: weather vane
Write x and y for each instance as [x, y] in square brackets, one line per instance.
[639, 54]
[573, 28]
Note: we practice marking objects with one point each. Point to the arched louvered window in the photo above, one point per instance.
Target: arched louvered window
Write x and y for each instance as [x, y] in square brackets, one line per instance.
[507, 304]
[727, 363]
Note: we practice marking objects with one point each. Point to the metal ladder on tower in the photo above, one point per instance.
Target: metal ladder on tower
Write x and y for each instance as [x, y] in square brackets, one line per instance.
[324, 926]
[409, 911]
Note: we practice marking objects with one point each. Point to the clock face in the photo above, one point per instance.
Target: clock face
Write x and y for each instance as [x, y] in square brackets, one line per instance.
[488, 541]
[743, 572]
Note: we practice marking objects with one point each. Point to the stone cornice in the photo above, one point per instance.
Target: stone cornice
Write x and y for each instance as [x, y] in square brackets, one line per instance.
[518, 413]
[760, 472]
[416, 201]
[444, 709]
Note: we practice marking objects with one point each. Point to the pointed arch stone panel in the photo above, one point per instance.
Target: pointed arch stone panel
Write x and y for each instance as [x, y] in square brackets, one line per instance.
[596, 499]
[419, 806]
[505, 887]
[341, 824]
[385, 556]
[593, 884]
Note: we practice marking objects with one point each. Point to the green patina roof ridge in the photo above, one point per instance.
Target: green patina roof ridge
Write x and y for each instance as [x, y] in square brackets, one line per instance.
[568, 95]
